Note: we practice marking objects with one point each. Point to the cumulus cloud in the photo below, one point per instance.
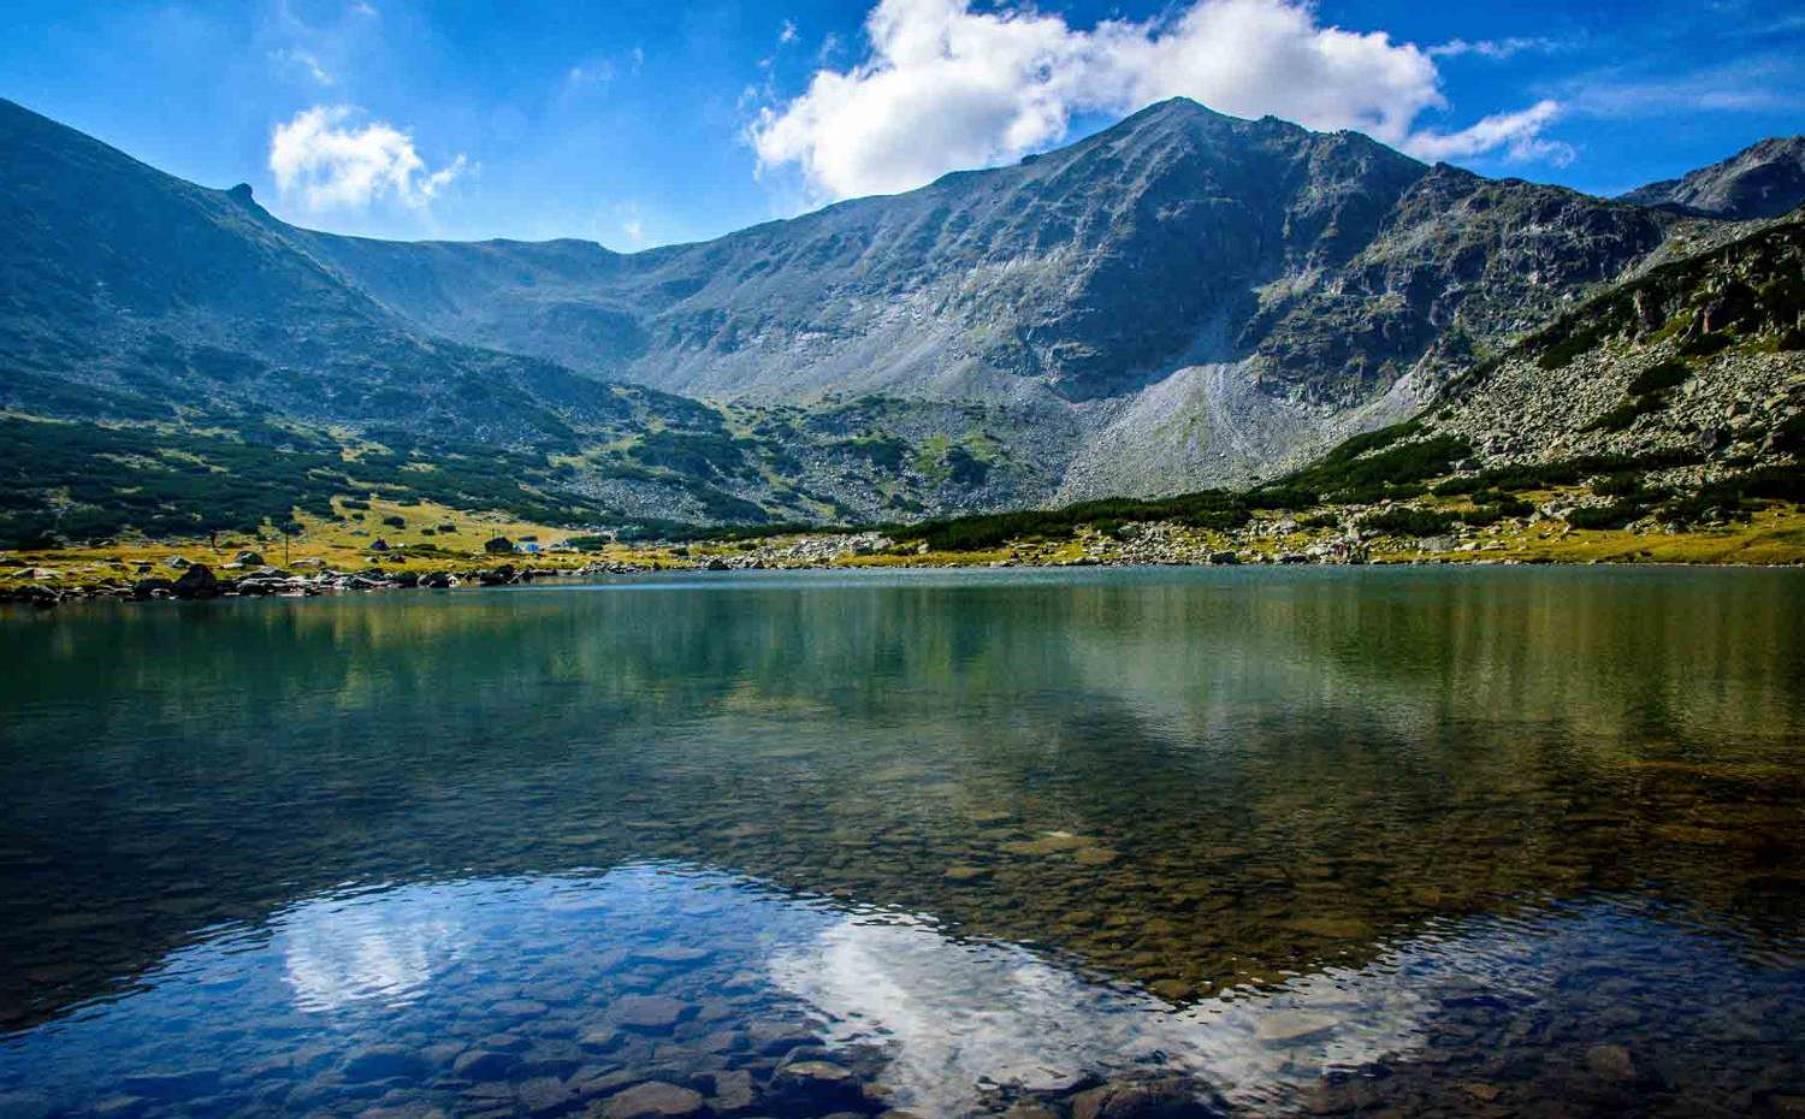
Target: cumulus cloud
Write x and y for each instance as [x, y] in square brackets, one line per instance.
[328, 161]
[945, 86]
[1519, 134]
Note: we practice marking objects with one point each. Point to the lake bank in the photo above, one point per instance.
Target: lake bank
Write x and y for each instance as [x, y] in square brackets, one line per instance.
[156, 569]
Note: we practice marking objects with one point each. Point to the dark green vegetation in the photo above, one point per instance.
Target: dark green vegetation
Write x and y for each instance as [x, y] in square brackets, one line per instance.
[1214, 509]
[1379, 465]
[77, 481]
[1375, 466]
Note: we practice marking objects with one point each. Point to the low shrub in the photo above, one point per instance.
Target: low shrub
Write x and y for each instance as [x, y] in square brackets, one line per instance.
[1615, 515]
[1408, 522]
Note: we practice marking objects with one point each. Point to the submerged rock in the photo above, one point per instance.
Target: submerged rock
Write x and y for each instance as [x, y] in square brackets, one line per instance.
[649, 1012]
[653, 1099]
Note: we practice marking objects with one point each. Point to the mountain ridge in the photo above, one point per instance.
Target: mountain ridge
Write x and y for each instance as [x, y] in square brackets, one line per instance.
[1764, 180]
[1184, 300]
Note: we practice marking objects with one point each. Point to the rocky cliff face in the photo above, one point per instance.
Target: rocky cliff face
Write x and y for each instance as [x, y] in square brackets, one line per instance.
[1764, 180]
[1700, 362]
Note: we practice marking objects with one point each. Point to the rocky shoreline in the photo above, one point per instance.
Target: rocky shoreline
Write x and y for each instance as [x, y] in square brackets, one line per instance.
[43, 587]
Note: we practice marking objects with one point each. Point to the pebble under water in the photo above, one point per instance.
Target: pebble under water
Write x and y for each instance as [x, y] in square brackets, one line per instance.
[1087, 844]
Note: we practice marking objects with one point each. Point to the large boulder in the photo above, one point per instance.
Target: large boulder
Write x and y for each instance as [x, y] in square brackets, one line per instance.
[500, 576]
[196, 582]
[1154, 1098]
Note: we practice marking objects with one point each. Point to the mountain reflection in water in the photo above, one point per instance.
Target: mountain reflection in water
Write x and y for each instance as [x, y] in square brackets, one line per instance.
[1273, 829]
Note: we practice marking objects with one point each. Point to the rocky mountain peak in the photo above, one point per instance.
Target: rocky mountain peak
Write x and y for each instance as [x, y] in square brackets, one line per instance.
[1764, 180]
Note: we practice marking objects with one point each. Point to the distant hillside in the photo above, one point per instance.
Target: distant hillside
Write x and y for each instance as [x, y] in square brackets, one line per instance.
[1764, 180]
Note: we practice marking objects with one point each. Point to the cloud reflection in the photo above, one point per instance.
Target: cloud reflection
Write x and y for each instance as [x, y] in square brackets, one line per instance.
[379, 948]
[955, 1015]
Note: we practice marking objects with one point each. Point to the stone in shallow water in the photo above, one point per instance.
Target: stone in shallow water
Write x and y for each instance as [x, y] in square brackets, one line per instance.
[964, 872]
[773, 1039]
[649, 1012]
[545, 1095]
[483, 1064]
[602, 1039]
[653, 1099]
[1149, 1099]
[733, 1091]
[817, 1086]
[1612, 1062]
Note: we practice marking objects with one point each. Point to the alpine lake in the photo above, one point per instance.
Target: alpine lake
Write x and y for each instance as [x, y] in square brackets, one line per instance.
[1090, 843]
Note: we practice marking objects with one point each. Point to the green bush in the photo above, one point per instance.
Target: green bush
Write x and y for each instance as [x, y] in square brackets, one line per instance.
[1616, 515]
[1622, 416]
[1408, 522]
[1627, 483]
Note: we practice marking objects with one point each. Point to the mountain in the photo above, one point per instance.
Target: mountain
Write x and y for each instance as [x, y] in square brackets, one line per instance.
[1177, 238]
[1206, 299]
[1670, 409]
[1761, 181]
[1183, 300]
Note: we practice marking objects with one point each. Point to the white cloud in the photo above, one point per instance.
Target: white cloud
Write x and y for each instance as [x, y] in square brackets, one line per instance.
[946, 87]
[328, 162]
[305, 61]
[632, 223]
[787, 33]
[1519, 134]
[1495, 49]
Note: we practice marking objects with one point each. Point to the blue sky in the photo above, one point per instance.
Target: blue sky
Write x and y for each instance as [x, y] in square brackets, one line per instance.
[635, 123]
